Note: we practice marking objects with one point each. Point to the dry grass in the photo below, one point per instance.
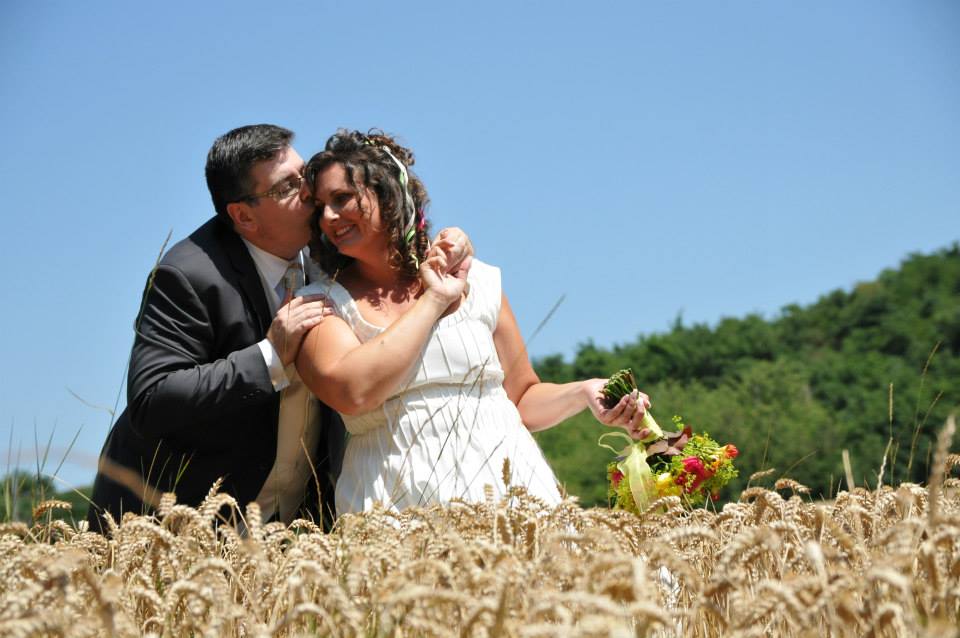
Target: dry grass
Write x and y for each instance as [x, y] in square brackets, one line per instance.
[873, 563]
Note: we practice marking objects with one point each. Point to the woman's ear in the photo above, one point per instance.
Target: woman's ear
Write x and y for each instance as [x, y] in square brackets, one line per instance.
[368, 202]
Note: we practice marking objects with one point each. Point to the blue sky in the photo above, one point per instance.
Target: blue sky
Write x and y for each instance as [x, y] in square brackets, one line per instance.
[643, 159]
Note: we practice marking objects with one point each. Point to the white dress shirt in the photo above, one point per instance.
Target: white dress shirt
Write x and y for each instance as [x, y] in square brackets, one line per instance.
[271, 270]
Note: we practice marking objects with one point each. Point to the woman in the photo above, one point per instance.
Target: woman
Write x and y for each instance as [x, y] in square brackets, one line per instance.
[426, 366]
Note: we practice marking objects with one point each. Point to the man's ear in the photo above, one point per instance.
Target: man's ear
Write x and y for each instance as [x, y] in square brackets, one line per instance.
[243, 219]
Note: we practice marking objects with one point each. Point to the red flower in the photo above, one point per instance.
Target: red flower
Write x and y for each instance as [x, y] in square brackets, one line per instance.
[715, 496]
[693, 465]
[615, 478]
[732, 451]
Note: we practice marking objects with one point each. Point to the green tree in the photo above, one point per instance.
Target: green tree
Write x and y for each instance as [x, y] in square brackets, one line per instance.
[23, 491]
[794, 391]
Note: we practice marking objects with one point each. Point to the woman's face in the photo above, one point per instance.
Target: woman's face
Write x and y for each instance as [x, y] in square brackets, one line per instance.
[352, 226]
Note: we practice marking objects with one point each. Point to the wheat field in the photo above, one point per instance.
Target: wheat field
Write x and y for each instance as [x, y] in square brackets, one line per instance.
[880, 562]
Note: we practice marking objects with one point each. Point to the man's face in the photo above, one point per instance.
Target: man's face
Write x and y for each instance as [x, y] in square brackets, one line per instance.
[279, 222]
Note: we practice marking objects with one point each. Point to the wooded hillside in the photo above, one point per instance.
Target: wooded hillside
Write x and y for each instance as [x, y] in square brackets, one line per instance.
[795, 390]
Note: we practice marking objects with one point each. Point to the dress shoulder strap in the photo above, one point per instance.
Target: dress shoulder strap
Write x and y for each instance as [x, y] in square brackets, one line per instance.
[486, 290]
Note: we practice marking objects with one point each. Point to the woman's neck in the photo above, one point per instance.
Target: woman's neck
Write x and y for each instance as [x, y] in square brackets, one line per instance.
[380, 273]
[378, 285]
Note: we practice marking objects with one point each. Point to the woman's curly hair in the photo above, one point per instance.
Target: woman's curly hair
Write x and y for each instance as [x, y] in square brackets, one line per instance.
[368, 165]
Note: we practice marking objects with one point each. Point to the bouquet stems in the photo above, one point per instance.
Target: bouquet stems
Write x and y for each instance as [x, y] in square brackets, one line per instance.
[621, 384]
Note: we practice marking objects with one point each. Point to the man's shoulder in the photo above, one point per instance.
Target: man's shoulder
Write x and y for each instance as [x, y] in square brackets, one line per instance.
[208, 256]
[205, 247]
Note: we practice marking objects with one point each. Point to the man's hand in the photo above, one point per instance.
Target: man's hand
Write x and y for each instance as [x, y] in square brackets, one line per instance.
[294, 320]
[453, 245]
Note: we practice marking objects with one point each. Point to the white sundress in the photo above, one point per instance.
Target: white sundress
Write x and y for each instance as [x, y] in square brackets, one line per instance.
[446, 429]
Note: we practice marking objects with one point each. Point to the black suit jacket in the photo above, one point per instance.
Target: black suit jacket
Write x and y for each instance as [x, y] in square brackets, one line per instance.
[200, 404]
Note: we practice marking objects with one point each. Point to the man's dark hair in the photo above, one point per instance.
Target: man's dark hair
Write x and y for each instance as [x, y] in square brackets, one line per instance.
[232, 156]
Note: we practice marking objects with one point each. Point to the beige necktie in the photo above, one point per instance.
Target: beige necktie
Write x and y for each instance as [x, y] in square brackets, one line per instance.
[283, 490]
[292, 280]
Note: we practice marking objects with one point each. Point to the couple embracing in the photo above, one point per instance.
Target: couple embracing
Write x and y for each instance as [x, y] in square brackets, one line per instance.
[314, 349]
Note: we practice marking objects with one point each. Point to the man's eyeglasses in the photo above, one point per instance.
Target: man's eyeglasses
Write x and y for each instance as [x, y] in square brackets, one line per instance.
[282, 191]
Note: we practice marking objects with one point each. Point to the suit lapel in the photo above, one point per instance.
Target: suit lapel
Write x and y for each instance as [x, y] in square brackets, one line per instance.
[248, 277]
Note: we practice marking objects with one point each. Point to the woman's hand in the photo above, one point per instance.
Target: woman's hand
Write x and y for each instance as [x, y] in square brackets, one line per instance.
[453, 244]
[626, 414]
[445, 287]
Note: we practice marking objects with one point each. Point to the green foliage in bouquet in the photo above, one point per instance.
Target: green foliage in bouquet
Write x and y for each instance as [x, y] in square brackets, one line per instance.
[618, 490]
[702, 469]
[618, 386]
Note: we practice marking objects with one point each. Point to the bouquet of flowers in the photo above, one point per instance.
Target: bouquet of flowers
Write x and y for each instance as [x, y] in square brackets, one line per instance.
[681, 463]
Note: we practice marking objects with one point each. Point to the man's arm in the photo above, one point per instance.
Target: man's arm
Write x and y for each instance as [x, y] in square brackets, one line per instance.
[175, 380]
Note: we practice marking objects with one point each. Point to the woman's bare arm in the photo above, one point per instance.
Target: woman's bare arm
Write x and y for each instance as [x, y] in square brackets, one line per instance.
[354, 377]
[543, 405]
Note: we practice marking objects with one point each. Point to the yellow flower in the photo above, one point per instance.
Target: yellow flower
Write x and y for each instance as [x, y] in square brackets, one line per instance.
[666, 486]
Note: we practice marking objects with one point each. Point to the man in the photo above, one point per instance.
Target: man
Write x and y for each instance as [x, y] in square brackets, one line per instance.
[212, 386]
